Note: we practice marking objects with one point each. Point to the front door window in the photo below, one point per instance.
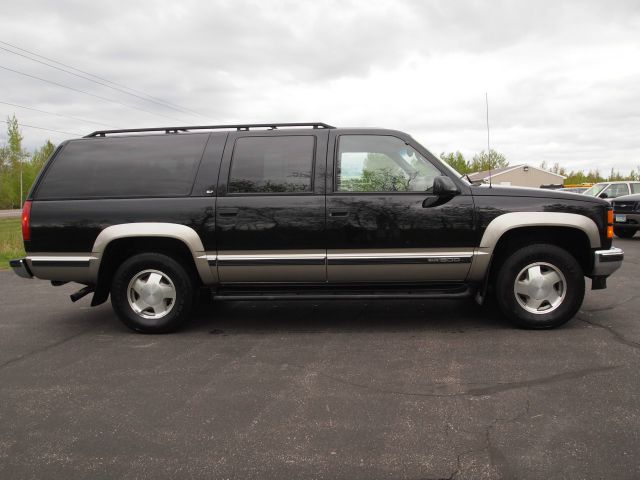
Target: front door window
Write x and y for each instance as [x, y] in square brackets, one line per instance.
[381, 164]
[616, 190]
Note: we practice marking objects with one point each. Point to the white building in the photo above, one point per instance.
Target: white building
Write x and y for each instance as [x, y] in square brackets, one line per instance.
[519, 175]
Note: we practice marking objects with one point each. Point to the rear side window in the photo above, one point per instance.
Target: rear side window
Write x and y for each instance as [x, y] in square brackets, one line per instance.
[150, 166]
[281, 164]
[635, 188]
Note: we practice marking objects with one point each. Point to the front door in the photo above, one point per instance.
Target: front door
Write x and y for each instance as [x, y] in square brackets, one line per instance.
[383, 224]
[270, 210]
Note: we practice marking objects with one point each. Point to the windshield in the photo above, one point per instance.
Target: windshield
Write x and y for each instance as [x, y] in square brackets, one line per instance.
[595, 190]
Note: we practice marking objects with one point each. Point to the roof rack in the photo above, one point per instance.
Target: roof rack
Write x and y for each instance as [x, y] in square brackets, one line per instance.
[244, 127]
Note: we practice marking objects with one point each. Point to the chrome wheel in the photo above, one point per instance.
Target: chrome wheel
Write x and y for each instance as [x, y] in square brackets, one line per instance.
[151, 294]
[540, 288]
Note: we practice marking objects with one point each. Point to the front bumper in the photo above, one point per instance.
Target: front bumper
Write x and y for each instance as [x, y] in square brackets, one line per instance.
[632, 221]
[605, 262]
[21, 268]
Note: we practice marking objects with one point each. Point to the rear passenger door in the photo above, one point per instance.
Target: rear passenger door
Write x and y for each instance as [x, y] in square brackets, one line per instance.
[270, 210]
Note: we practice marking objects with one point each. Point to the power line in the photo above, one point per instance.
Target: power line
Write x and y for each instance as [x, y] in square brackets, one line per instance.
[56, 114]
[42, 128]
[87, 93]
[161, 103]
[149, 98]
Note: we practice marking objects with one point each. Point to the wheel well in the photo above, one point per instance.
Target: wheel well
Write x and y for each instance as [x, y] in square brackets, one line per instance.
[574, 241]
[120, 249]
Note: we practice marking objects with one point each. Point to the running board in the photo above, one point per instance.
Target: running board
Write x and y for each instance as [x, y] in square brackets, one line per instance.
[268, 293]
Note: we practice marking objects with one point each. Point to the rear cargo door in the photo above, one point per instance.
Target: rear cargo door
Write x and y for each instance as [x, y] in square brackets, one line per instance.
[270, 212]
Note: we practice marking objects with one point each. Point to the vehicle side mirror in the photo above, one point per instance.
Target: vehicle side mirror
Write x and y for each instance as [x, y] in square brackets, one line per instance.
[603, 195]
[443, 186]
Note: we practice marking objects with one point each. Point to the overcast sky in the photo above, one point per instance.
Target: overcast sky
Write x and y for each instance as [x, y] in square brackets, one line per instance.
[563, 78]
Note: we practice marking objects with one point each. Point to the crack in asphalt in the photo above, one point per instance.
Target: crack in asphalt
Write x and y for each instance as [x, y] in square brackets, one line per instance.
[45, 348]
[496, 457]
[502, 387]
[617, 336]
[484, 391]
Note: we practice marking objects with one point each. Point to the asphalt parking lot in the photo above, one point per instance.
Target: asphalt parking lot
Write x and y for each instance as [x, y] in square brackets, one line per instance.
[403, 389]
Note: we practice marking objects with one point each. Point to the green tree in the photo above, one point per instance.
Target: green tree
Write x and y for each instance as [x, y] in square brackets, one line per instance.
[488, 161]
[457, 161]
[13, 164]
[616, 176]
[16, 164]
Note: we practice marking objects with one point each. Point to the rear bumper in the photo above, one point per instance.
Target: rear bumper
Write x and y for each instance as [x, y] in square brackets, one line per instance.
[21, 268]
[605, 262]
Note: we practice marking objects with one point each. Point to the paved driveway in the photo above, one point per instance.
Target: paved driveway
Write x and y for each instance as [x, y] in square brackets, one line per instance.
[401, 389]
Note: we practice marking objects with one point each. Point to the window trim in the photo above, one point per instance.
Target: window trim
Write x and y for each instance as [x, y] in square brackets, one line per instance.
[273, 194]
[334, 187]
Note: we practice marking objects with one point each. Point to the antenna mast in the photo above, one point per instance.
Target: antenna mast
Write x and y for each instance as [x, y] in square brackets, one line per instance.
[486, 97]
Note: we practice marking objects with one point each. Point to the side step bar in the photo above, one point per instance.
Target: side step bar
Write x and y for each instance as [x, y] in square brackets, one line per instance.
[452, 292]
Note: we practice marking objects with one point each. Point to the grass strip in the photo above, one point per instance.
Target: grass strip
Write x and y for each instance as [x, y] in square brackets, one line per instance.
[11, 245]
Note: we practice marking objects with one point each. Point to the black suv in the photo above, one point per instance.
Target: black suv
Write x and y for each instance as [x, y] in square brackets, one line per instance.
[300, 211]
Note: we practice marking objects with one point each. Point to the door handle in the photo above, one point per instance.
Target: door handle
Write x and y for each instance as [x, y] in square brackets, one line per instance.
[338, 213]
[228, 212]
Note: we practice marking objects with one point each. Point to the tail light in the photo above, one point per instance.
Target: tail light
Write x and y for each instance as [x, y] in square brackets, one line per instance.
[610, 223]
[26, 221]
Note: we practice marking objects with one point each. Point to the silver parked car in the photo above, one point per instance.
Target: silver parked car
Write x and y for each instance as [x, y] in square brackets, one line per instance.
[609, 190]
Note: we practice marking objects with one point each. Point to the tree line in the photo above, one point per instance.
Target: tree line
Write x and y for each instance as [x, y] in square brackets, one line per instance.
[18, 167]
[494, 160]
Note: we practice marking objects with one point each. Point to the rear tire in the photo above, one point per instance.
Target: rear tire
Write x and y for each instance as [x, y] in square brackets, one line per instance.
[152, 293]
[624, 232]
[540, 286]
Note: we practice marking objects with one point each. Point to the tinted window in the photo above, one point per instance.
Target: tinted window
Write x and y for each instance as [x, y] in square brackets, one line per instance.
[381, 163]
[124, 167]
[272, 165]
[635, 188]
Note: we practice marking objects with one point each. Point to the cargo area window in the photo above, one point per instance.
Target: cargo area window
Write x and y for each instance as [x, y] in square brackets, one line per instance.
[281, 164]
[381, 163]
[144, 166]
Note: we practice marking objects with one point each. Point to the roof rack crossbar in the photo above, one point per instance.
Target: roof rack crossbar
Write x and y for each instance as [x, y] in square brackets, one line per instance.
[240, 128]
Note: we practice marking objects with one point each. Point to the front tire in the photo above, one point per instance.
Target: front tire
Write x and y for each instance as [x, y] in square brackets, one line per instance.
[540, 286]
[152, 293]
